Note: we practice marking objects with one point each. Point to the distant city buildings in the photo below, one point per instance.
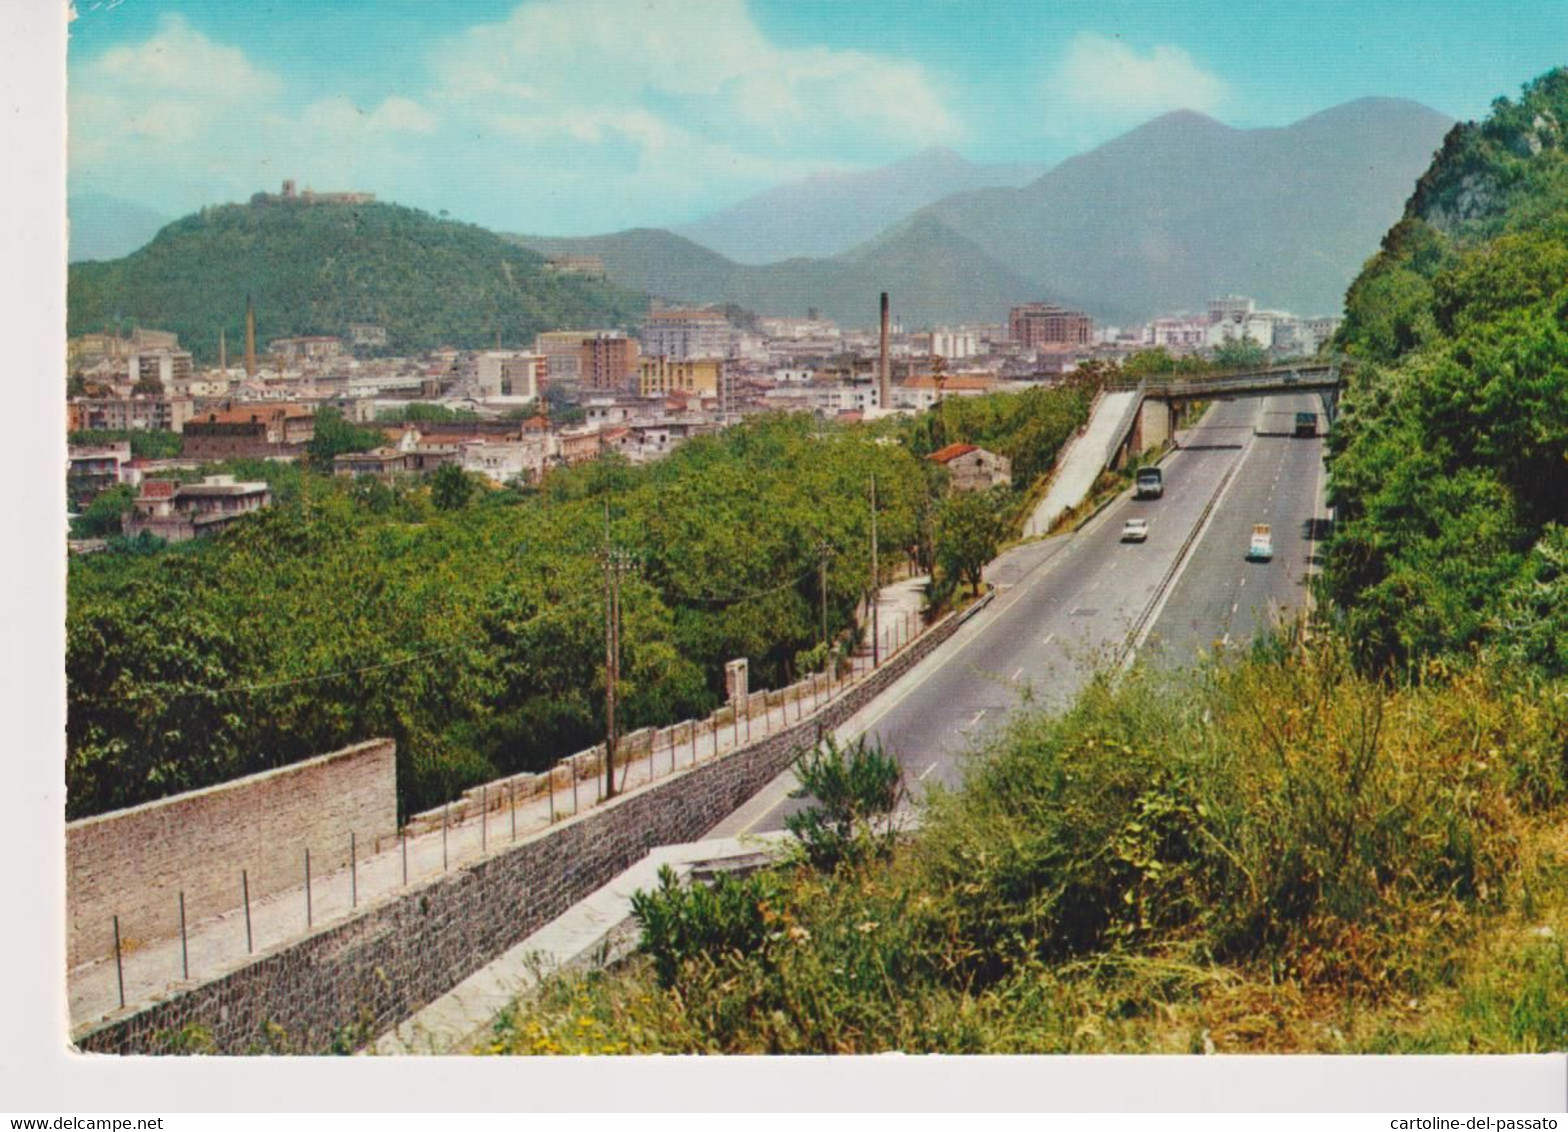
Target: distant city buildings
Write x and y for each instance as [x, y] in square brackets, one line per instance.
[179, 512]
[608, 361]
[658, 375]
[509, 374]
[1039, 324]
[685, 333]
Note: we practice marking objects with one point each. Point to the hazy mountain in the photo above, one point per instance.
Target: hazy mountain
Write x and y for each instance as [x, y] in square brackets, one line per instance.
[934, 275]
[1155, 221]
[106, 227]
[1184, 207]
[314, 269]
[829, 213]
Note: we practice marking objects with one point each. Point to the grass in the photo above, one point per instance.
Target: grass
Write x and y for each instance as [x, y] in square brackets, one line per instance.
[1274, 854]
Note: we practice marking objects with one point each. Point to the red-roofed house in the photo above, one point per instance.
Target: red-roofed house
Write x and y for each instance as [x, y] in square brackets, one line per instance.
[973, 468]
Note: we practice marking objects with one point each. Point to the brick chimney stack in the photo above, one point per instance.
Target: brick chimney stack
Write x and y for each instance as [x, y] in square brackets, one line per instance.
[884, 393]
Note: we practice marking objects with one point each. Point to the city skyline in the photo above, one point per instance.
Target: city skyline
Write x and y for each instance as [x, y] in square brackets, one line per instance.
[558, 118]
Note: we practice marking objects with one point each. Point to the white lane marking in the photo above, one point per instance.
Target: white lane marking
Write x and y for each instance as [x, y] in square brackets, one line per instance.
[1048, 638]
[921, 777]
[1094, 587]
[977, 716]
[1233, 606]
[1017, 674]
[1225, 640]
[1244, 579]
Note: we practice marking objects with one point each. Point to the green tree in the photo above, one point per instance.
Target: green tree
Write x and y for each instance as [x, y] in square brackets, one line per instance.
[105, 514]
[333, 436]
[968, 532]
[451, 488]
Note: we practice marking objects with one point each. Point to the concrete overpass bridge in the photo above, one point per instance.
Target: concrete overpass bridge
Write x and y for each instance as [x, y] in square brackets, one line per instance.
[1160, 401]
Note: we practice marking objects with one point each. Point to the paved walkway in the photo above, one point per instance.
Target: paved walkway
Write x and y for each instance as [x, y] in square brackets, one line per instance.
[1082, 461]
[596, 930]
[154, 969]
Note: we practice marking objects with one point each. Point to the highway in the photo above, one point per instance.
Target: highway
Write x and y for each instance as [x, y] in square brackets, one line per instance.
[1221, 597]
[1065, 604]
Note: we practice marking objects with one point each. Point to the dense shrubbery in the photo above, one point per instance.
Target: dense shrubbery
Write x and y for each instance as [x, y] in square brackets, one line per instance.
[469, 626]
[1450, 458]
[149, 444]
[1280, 836]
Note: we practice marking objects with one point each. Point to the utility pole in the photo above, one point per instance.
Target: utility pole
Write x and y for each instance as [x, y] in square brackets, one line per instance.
[616, 562]
[876, 648]
[824, 552]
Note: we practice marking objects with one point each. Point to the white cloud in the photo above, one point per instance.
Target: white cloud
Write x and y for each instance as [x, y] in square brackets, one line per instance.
[568, 115]
[1104, 82]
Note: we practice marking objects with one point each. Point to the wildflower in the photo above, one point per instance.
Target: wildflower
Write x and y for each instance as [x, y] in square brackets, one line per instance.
[866, 928]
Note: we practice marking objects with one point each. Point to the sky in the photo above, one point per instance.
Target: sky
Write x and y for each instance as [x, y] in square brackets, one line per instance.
[569, 117]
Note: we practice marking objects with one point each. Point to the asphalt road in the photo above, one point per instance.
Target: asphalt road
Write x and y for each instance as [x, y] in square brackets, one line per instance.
[1065, 604]
[1221, 598]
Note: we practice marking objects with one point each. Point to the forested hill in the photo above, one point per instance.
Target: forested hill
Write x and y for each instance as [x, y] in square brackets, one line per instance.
[1450, 460]
[316, 268]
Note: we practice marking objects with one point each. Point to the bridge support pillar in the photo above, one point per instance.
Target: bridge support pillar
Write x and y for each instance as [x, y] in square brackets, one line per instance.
[1156, 424]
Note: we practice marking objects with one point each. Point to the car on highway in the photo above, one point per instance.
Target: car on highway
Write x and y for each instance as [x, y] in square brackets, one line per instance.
[1306, 424]
[1151, 483]
[1135, 530]
[1261, 547]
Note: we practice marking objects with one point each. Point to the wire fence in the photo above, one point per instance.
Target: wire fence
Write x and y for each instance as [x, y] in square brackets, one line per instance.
[145, 962]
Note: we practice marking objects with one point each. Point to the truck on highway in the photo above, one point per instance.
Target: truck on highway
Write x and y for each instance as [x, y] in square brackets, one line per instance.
[1306, 424]
[1151, 483]
[1262, 544]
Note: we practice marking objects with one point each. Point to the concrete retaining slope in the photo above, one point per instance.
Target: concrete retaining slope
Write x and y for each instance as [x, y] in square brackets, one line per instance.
[360, 976]
[1083, 459]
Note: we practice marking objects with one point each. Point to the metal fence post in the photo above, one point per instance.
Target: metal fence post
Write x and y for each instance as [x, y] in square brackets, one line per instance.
[250, 942]
[119, 970]
[353, 871]
[185, 951]
[310, 921]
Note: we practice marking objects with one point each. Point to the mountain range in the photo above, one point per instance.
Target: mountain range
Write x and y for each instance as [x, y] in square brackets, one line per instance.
[1155, 221]
[829, 213]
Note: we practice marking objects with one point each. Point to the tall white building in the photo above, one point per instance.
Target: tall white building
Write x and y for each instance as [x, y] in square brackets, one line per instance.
[684, 334]
[509, 373]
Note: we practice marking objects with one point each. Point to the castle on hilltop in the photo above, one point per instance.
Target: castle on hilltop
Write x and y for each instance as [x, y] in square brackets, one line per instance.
[290, 195]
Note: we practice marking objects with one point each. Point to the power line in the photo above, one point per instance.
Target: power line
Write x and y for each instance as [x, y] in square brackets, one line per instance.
[795, 581]
[247, 688]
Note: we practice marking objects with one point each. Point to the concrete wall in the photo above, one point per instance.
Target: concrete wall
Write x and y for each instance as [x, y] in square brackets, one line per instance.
[362, 975]
[134, 863]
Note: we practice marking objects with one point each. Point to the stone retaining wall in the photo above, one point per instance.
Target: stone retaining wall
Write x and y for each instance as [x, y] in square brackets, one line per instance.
[361, 976]
[135, 862]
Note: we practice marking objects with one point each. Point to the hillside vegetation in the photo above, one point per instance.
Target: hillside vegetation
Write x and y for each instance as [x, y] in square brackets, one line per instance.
[1357, 844]
[1450, 460]
[314, 269]
[1276, 855]
[469, 624]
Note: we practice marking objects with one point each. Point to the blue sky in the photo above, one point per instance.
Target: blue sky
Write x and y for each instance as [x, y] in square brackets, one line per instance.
[576, 116]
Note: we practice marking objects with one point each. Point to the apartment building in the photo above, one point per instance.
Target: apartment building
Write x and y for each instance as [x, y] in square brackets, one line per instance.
[683, 333]
[1039, 324]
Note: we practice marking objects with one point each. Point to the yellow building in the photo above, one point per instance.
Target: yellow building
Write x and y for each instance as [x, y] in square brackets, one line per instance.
[657, 375]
